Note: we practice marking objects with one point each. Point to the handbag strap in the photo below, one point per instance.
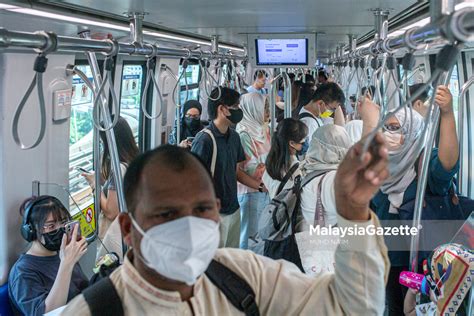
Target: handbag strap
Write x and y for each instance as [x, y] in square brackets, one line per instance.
[319, 219]
[214, 150]
[287, 177]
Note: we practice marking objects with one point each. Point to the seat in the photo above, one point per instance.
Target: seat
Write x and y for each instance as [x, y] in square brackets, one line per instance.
[5, 308]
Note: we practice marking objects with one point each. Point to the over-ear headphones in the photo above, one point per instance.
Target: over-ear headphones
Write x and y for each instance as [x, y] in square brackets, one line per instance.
[28, 231]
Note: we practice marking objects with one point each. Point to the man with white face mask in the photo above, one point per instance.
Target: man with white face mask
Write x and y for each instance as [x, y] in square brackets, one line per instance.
[172, 229]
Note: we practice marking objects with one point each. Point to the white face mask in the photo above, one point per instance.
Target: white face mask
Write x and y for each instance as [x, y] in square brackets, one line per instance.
[181, 249]
[394, 140]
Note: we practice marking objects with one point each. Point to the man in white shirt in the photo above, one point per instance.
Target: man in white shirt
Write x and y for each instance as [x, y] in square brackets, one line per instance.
[259, 81]
[172, 228]
[326, 100]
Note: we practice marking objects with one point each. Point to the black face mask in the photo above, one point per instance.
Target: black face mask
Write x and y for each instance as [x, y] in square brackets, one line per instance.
[192, 123]
[236, 115]
[52, 240]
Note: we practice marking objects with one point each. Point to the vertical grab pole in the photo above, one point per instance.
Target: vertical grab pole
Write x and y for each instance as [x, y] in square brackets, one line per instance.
[115, 161]
[462, 94]
[273, 91]
[287, 94]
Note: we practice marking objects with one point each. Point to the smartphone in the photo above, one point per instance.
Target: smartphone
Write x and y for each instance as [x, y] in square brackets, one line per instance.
[69, 228]
[190, 139]
[82, 169]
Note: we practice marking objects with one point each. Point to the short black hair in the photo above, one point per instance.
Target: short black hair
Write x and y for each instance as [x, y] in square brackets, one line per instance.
[352, 98]
[323, 74]
[173, 157]
[309, 78]
[329, 92]
[227, 97]
[424, 95]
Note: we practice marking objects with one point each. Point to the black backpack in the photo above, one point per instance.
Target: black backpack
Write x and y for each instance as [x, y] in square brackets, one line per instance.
[103, 299]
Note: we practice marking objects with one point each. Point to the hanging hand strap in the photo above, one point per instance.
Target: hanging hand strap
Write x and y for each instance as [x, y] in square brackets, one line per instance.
[150, 76]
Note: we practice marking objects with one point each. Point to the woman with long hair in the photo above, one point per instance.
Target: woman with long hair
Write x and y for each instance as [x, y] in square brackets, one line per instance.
[127, 151]
[287, 142]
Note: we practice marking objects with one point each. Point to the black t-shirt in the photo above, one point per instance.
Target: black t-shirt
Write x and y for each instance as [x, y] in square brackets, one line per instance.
[31, 280]
[229, 153]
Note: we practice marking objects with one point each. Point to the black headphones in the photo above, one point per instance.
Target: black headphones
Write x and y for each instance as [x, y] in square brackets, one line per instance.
[28, 231]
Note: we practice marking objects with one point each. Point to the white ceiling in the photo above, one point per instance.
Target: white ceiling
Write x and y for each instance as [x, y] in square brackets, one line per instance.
[232, 20]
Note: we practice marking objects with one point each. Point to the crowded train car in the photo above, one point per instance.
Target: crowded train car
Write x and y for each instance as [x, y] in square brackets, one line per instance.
[237, 157]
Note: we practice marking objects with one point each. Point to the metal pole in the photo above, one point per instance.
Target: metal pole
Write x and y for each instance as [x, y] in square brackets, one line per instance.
[273, 92]
[287, 94]
[84, 45]
[112, 145]
[215, 44]
[440, 8]
[381, 24]
[136, 27]
[462, 94]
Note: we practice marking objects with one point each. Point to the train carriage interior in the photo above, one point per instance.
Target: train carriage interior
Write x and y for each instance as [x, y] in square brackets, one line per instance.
[72, 71]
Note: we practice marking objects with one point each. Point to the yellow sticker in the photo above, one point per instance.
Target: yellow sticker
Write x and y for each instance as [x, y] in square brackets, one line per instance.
[86, 218]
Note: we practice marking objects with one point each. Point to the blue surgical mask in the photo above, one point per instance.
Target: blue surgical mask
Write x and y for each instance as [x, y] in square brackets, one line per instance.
[304, 148]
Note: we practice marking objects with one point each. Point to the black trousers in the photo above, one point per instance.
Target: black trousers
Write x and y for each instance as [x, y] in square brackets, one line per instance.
[395, 292]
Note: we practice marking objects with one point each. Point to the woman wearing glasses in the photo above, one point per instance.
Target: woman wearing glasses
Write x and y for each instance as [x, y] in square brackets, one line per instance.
[48, 275]
[190, 124]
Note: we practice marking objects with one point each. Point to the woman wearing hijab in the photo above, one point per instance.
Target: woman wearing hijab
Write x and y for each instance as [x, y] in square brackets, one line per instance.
[327, 149]
[255, 138]
[190, 124]
[401, 186]
[354, 129]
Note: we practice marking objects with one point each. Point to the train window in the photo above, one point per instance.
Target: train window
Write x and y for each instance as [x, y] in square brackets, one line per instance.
[193, 75]
[80, 137]
[131, 96]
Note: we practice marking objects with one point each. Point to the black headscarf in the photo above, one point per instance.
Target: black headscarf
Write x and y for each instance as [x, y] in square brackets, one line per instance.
[196, 126]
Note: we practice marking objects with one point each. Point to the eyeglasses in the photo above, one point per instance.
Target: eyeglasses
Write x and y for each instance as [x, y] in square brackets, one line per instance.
[50, 226]
[193, 116]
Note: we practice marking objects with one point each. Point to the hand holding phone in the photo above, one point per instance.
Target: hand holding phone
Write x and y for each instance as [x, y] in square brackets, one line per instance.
[69, 228]
[82, 170]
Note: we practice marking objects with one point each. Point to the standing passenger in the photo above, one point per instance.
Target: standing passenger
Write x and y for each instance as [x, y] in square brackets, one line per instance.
[190, 124]
[327, 149]
[48, 275]
[127, 151]
[255, 138]
[326, 100]
[259, 81]
[287, 142]
[401, 187]
[172, 230]
[221, 139]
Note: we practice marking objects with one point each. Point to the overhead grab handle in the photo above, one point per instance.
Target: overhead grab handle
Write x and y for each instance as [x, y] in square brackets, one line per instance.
[109, 65]
[40, 65]
[150, 76]
[205, 64]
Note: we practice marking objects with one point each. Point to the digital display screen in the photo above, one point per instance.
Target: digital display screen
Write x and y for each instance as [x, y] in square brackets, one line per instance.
[271, 52]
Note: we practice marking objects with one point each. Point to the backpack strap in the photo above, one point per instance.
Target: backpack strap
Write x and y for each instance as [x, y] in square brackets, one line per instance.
[306, 114]
[287, 177]
[319, 218]
[103, 299]
[312, 175]
[214, 150]
[236, 289]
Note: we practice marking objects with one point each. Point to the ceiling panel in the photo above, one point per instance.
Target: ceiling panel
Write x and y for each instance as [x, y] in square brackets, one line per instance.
[232, 20]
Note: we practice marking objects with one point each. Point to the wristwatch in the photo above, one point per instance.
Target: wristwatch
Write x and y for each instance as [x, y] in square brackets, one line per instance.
[260, 188]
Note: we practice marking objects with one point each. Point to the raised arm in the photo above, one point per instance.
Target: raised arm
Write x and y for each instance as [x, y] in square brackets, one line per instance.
[448, 140]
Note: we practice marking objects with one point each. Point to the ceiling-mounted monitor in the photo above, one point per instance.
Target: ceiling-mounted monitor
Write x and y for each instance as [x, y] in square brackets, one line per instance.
[282, 50]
